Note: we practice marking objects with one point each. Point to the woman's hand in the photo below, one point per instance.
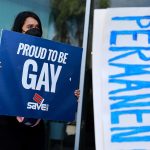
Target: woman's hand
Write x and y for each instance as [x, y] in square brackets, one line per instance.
[28, 121]
[20, 119]
[77, 93]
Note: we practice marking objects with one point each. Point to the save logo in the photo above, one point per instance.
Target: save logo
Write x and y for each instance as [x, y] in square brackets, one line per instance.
[38, 104]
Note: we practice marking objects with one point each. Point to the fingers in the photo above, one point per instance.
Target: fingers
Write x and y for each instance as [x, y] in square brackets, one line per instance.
[20, 119]
[77, 93]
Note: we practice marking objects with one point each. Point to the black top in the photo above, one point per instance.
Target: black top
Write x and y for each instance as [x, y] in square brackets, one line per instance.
[17, 136]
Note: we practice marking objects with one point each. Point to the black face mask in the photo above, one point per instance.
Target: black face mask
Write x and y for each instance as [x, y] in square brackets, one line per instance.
[34, 32]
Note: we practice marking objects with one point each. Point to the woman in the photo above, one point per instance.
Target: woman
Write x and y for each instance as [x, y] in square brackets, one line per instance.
[21, 133]
[26, 20]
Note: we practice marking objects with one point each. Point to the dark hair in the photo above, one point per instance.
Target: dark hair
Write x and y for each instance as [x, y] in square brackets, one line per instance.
[20, 19]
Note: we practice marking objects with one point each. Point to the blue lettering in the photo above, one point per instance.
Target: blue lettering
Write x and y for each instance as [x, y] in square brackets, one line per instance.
[130, 51]
[129, 101]
[134, 33]
[138, 20]
[130, 134]
[130, 69]
[115, 115]
[129, 85]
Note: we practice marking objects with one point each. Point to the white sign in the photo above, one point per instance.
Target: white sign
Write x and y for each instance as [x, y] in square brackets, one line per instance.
[121, 78]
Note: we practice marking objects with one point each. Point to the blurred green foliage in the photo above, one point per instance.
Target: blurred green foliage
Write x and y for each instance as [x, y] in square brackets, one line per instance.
[65, 11]
[104, 3]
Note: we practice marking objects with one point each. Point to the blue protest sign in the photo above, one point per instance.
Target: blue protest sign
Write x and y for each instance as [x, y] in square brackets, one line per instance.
[38, 77]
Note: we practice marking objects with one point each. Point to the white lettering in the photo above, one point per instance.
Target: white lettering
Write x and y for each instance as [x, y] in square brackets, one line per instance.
[29, 63]
[36, 106]
[21, 46]
[44, 77]
[54, 76]
[32, 51]
[62, 57]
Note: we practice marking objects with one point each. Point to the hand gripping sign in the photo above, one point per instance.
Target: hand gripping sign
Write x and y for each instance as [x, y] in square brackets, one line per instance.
[38, 77]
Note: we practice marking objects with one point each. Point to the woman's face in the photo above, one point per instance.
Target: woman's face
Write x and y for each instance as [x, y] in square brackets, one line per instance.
[29, 23]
